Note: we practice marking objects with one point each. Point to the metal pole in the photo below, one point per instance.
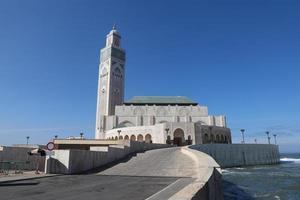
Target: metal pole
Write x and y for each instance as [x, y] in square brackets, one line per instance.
[242, 131]
[267, 132]
[27, 138]
[167, 130]
[255, 140]
[81, 135]
[275, 138]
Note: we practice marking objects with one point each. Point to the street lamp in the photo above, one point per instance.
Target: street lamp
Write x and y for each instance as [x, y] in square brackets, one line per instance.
[243, 131]
[255, 140]
[81, 135]
[119, 131]
[167, 130]
[268, 135]
[275, 138]
[55, 136]
[27, 138]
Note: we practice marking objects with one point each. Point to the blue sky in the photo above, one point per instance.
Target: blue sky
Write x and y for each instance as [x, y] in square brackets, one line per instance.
[238, 57]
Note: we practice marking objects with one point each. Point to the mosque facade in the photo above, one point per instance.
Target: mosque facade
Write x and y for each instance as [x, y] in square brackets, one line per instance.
[153, 119]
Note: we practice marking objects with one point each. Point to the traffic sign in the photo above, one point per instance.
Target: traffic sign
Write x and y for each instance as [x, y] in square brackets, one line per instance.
[50, 146]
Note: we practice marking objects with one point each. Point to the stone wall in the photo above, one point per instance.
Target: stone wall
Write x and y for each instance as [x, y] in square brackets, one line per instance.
[74, 161]
[237, 155]
[19, 154]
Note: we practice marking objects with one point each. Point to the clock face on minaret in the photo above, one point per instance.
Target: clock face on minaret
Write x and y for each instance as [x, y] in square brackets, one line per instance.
[111, 77]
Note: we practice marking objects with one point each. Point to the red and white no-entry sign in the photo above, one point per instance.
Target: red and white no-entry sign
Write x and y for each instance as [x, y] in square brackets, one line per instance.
[50, 146]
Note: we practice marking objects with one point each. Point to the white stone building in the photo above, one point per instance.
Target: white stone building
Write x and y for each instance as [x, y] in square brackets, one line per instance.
[157, 119]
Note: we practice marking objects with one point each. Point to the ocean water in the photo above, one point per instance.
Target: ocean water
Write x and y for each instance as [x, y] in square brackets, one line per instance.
[268, 182]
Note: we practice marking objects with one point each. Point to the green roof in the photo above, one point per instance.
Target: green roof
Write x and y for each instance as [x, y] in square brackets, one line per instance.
[159, 100]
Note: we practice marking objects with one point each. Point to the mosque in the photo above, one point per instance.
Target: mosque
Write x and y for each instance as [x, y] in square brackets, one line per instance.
[152, 119]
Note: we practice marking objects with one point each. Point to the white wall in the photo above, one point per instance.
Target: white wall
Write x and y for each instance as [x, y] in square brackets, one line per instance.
[76, 161]
[236, 155]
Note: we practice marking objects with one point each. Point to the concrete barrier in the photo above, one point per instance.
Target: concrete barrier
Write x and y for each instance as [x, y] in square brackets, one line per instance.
[72, 161]
[207, 183]
[237, 155]
[19, 154]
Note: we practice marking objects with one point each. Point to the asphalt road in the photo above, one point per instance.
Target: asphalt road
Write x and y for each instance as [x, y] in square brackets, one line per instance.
[85, 187]
[156, 175]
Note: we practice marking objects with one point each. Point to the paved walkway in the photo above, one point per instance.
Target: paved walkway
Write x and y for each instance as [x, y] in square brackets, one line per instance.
[169, 162]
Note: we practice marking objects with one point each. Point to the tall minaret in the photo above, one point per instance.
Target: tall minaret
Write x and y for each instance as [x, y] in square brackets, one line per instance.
[111, 80]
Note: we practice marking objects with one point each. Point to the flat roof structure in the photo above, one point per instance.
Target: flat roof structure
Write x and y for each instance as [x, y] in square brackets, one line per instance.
[84, 144]
[160, 100]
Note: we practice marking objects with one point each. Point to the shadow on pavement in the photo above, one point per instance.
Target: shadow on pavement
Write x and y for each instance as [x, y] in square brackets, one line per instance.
[234, 192]
[18, 184]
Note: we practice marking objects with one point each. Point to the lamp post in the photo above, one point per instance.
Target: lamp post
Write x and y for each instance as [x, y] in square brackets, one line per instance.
[275, 138]
[167, 131]
[55, 136]
[243, 135]
[119, 131]
[81, 135]
[27, 140]
[255, 140]
[268, 135]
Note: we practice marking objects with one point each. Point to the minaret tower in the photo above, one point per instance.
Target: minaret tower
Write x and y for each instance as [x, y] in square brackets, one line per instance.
[111, 80]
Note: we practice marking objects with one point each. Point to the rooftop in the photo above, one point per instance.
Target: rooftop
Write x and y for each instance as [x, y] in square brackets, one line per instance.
[160, 100]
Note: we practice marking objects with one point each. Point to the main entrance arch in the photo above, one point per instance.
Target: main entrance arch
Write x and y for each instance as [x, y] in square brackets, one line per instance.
[179, 139]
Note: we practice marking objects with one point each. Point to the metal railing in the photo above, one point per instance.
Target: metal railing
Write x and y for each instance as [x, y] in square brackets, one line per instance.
[13, 167]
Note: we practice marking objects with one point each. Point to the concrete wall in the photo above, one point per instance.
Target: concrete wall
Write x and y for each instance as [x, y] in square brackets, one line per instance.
[19, 154]
[207, 183]
[74, 161]
[236, 155]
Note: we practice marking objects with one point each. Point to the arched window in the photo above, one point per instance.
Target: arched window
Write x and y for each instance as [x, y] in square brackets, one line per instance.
[116, 138]
[148, 138]
[120, 137]
[140, 138]
[126, 137]
[132, 138]
[118, 71]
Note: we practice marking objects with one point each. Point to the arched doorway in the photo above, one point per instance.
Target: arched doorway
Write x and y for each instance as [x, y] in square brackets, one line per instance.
[205, 138]
[126, 137]
[120, 137]
[140, 138]
[218, 139]
[148, 138]
[179, 139]
[116, 138]
[132, 138]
